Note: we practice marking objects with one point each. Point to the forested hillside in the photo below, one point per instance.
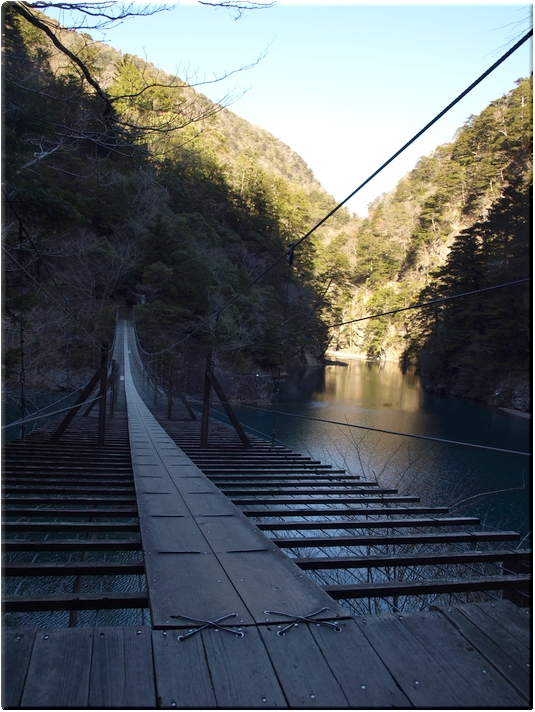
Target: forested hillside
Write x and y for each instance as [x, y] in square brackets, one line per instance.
[126, 188]
[133, 189]
[459, 222]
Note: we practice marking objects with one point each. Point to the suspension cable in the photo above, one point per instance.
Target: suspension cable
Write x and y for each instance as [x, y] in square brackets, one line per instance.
[388, 432]
[22, 376]
[420, 305]
[28, 236]
[51, 297]
[364, 183]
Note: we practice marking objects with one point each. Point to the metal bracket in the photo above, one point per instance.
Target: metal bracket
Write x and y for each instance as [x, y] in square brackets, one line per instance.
[305, 619]
[209, 624]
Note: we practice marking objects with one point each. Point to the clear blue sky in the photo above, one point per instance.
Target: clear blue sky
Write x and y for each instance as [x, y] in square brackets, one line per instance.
[343, 85]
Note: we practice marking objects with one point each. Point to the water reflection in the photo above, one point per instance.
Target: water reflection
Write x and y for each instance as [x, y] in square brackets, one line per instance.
[484, 483]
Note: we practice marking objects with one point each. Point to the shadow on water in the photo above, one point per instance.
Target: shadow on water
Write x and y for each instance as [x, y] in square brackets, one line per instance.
[494, 486]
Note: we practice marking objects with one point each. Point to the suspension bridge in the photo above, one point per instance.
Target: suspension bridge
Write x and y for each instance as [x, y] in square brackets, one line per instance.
[157, 558]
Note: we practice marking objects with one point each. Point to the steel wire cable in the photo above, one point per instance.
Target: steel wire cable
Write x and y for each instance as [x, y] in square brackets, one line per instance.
[66, 311]
[420, 305]
[362, 185]
[28, 236]
[388, 432]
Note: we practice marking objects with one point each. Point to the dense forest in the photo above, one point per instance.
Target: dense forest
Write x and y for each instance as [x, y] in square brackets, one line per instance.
[459, 222]
[125, 188]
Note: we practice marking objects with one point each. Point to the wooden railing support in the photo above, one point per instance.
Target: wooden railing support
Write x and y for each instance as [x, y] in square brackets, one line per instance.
[102, 393]
[84, 395]
[113, 394]
[170, 399]
[187, 406]
[210, 381]
[206, 398]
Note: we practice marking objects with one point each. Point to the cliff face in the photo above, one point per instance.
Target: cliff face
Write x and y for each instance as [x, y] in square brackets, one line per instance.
[459, 222]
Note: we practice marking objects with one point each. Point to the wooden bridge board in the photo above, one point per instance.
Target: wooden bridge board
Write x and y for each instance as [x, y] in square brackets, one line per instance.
[190, 584]
[349, 511]
[270, 582]
[227, 531]
[242, 671]
[363, 677]
[515, 620]
[309, 501]
[420, 677]
[505, 623]
[121, 669]
[59, 669]
[482, 685]
[200, 585]
[503, 651]
[17, 644]
[305, 675]
[181, 672]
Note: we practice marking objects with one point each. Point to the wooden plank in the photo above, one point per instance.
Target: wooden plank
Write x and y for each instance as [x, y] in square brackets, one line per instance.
[181, 672]
[505, 653]
[229, 530]
[242, 672]
[70, 500]
[297, 490]
[515, 620]
[363, 677]
[130, 512]
[480, 683]
[304, 674]
[71, 545]
[368, 524]
[266, 581]
[58, 674]
[362, 562]
[424, 681]
[74, 601]
[80, 568]
[327, 500]
[349, 511]
[121, 669]
[419, 587]
[58, 527]
[498, 623]
[399, 539]
[17, 645]
[190, 584]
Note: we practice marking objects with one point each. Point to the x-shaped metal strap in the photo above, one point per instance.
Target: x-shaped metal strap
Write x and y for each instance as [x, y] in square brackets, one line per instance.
[305, 619]
[209, 624]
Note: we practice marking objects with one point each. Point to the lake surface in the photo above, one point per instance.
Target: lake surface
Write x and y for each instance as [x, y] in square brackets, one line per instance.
[492, 485]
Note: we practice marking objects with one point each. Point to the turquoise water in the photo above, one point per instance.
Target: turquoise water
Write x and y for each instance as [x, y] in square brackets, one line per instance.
[492, 485]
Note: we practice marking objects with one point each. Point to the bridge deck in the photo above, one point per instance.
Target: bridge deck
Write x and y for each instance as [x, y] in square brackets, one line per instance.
[204, 559]
[472, 656]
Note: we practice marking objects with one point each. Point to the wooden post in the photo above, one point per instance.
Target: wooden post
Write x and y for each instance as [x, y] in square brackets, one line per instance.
[206, 398]
[76, 407]
[102, 394]
[113, 386]
[170, 399]
[228, 408]
[187, 406]
[117, 382]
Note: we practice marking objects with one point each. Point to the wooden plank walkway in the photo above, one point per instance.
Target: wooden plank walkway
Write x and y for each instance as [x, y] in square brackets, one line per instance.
[205, 559]
[471, 656]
